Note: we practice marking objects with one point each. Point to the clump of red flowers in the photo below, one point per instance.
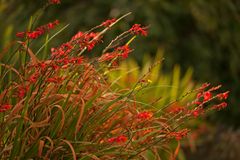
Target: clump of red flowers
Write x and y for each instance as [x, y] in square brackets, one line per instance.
[122, 51]
[108, 57]
[5, 107]
[223, 96]
[88, 40]
[178, 135]
[57, 80]
[22, 90]
[137, 29]
[62, 51]
[34, 77]
[108, 22]
[79, 41]
[20, 34]
[39, 31]
[197, 112]
[118, 139]
[199, 106]
[206, 96]
[144, 115]
[219, 106]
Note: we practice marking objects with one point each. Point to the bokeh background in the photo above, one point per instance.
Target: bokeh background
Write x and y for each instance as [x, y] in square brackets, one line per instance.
[202, 34]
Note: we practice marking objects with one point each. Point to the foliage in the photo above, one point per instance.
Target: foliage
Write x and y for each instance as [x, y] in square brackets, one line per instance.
[62, 107]
[202, 34]
[159, 88]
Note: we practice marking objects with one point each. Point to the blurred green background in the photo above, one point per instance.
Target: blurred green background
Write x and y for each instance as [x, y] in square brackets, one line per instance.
[202, 34]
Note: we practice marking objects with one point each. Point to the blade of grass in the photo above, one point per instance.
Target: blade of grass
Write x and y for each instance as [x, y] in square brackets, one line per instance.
[48, 40]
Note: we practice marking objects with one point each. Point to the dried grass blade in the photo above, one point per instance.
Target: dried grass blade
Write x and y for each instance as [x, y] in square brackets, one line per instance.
[51, 147]
[72, 149]
[40, 148]
[81, 110]
[31, 54]
[63, 116]
[176, 151]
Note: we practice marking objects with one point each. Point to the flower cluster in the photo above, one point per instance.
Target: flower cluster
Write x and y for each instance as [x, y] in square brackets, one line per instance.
[220, 106]
[5, 107]
[197, 112]
[178, 135]
[39, 31]
[88, 40]
[223, 96]
[203, 97]
[108, 22]
[137, 29]
[57, 80]
[176, 108]
[118, 139]
[122, 51]
[22, 90]
[62, 51]
[81, 40]
[144, 115]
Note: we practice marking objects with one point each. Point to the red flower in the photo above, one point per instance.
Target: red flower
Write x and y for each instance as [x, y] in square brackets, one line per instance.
[77, 36]
[34, 34]
[111, 140]
[179, 134]
[197, 112]
[207, 96]
[199, 95]
[197, 102]
[107, 57]
[122, 51]
[55, 67]
[63, 50]
[125, 50]
[145, 115]
[42, 66]
[137, 29]
[54, 1]
[20, 34]
[108, 22]
[220, 106]
[56, 22]
[91, 45]
[39, 31]
[5, 107]
[204, 86]
[22, 91]
[119, 139]
[223, 95]
[55, 80]
[88, 40]
[33, 78]
[50, 25]
[77, 60]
